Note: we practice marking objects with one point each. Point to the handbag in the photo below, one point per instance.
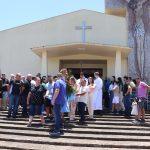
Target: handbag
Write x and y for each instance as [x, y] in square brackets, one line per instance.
[134, 109]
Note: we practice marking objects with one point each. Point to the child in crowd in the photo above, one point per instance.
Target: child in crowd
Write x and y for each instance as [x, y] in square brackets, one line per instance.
[115, 102]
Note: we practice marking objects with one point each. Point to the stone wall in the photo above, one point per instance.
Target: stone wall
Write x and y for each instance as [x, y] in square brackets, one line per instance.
[133, 69]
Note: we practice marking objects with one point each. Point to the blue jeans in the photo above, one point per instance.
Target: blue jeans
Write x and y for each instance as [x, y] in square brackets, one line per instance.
[14, 101]
[127, 104]
[81, 110]
[36, 109]
[24, 104]
[57, 114]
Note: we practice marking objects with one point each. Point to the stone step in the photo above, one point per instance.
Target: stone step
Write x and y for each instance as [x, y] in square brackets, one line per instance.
[106, 132]
[89, 123]
[77, 118]
[110, 121]
[102, 118]
[75, 142]
[85, 130]
[37, 133]
[36, 119]
[106, 115]
[74, 125]
[97, 121]
[31, 146]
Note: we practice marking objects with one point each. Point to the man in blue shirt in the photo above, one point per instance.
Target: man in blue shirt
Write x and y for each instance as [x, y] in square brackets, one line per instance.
[58, 100]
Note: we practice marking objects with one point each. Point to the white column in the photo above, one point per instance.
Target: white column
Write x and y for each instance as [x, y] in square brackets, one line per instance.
[44, 70]
[118, 64]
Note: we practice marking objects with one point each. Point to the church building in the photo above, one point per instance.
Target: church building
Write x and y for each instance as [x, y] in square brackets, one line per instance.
[83, 40]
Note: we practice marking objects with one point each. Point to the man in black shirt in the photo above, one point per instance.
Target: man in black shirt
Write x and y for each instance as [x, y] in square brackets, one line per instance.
[26, 86]
[1, 92]
[5, 85]
[15, 95]
[127, 96]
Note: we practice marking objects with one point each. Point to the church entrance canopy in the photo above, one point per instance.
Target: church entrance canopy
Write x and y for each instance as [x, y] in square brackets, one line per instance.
[78, 48]
[92, 49]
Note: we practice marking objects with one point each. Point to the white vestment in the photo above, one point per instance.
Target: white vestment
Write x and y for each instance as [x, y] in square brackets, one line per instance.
[98, 94]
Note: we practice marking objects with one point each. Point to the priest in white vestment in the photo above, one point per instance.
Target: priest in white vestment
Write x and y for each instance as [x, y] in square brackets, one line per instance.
[98, 92]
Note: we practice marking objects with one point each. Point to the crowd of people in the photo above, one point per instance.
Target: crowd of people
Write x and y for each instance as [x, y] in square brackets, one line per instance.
[124, 94]
[92, 95]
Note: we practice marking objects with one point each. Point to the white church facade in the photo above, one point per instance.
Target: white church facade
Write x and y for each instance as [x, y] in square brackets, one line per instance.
[82, 40]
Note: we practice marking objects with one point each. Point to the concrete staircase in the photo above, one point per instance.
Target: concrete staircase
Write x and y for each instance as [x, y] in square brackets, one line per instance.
[105, 132]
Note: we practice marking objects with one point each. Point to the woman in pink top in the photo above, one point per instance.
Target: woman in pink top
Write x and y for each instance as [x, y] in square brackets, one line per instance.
[91, 87]
[142, 89]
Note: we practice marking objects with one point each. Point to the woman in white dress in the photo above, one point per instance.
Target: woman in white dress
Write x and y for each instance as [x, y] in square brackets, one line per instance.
[91, 87]
[115, 102]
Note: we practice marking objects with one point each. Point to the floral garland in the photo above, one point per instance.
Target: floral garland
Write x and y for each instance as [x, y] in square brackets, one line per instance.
[69, 88]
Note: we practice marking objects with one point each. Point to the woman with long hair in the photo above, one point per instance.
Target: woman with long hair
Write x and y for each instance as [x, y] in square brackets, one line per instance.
[115, 102]
[121, 104]
[111, 93]
[72, 98]
[91, 87]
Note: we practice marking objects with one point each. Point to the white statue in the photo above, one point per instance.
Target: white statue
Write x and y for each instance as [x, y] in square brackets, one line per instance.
[139, 31]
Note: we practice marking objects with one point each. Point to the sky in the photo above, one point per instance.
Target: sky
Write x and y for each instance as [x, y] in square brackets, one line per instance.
[14, 13]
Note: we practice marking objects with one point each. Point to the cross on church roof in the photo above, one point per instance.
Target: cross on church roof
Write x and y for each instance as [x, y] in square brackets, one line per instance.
[83, 28]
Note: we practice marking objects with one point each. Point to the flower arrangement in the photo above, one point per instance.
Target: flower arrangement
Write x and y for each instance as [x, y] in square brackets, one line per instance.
[69, 89]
